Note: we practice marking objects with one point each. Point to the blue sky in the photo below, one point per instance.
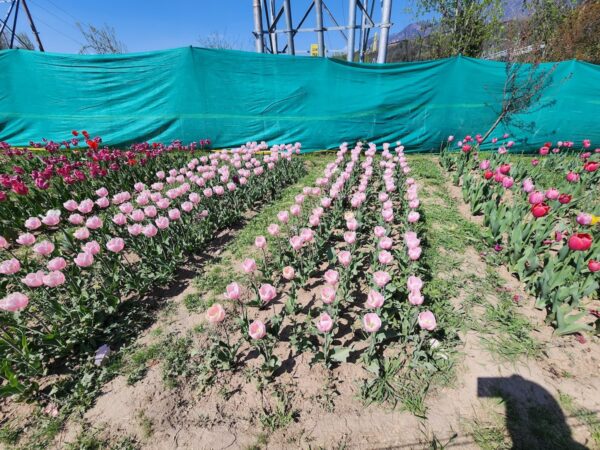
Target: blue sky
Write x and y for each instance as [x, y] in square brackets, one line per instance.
[152, 24]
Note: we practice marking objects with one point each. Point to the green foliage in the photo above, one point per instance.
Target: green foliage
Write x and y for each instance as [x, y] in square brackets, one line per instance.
[282, 414]
[461, 27]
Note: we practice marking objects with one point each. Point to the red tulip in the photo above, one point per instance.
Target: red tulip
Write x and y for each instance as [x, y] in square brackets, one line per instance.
[594, 265]
[466, 148]
[591, 166]
[580, 242]
[75, 133]
[488, 174]
[564, 198]
[540, 210]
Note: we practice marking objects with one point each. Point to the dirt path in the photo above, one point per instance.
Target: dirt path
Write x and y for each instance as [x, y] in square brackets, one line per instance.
[509, 382]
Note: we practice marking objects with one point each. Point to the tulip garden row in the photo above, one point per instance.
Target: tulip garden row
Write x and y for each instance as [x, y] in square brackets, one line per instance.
[54, 172]
[355, 236]
[543, 217]
[68, 272]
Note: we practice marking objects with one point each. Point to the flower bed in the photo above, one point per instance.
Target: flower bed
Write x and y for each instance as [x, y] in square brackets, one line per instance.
[355, 235]
[543, 215]
[69, 272]
[33, 181]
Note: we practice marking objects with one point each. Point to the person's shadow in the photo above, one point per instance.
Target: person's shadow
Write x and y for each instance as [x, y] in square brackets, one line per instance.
[534, 419]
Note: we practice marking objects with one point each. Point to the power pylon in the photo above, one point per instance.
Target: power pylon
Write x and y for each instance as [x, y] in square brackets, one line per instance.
[269, 13]
[13, 10]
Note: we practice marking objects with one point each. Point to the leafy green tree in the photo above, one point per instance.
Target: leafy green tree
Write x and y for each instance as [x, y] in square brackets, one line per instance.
[461, 26]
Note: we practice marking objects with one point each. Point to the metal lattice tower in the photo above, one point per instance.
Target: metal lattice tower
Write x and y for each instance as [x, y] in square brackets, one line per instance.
[13, 10]
[273, 12]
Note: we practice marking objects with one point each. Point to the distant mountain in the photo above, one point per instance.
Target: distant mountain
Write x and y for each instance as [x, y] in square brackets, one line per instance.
[513, 9]
[411, 31]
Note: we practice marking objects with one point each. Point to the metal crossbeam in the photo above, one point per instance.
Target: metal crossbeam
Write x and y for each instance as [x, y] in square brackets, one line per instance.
[264, 12]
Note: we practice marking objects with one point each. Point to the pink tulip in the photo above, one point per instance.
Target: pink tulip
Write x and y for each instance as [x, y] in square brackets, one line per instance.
[267, 292]
[76, 219]
[307, 235]
[388, 215]
[374, 299]
[414, 253]
[328, 294]
[174, 214]
[350, 237]
[233, 291]
[427, 321]
[413, 216]
[84, 259]
[3, 242]
[33, 223]
[14, 302]
[215, 314]
[283, 216]
[536, 197]
[326, 202]
[86, 206]
[332, 277]
[135, 229]
[26, 239]
[120, 219]
[163, 203]
[70, 205]
[91, 247]
[344, 257]
[552, 194]
[162, 223]
[257, 330]
[150, 211]
[381, 278]
[137, 215]
[379, 231]
[385, 243]
[10, 266]
[289, 273]
[352, 224]
[508, 182]
[260, 242]
[93, 223]
[385, 257]
[102, 192]
[572, 177]
[34, 279]
[150, 230]
[103, 202]
[414, 283]
[383, 197]
[44, 248]
[249, 265]
[296, 242]
[187, 206]
[528, 185]
[584, 219]
[371, 323]
[56, 264]
[81, 233]
[54, 278]
[295, 210]
[115, 245]
[52, 218]
[273, 229]
[415, 298]
[324, 323]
